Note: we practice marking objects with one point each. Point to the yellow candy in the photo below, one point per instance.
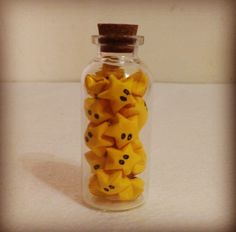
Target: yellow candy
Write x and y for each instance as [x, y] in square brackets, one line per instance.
[98, 82]
[99, 151]
[95, 162]
[110, 184]
[133, 191]
[140, 165]
[136, 143]
[113, 184]
[138, 187]
[119, 93]
[139, 83]
[116, 114]
[123, 131]
[94, 136]
[139, 109]
[93, 86]
[108, 70]
[124, 159]
[97, 110]
[94, 187]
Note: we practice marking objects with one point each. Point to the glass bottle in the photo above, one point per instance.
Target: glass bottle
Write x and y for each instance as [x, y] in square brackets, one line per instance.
[115, 121]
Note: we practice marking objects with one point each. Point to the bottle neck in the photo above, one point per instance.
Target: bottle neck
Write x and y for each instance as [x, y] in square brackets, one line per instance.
[118, 55]
[120, 48]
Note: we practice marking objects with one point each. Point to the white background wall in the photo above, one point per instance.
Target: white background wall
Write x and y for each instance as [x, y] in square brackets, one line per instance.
[185, 41]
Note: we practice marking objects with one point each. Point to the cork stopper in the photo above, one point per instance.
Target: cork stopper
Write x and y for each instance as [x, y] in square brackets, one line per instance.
[119, 38]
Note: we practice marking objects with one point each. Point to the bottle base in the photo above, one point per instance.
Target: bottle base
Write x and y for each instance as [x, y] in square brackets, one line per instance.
[106, 205]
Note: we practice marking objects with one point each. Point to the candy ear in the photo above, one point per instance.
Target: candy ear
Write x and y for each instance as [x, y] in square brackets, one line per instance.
[88, 102]
[93, 187]
[94, 87]
[139, 83]
[116, 176]
[102, 177]
[108, 69]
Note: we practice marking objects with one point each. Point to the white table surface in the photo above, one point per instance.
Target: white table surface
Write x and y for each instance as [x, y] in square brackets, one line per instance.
[191, 169]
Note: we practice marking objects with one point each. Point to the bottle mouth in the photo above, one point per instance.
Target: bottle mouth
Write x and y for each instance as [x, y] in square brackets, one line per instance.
[114, 40]
[117, 43]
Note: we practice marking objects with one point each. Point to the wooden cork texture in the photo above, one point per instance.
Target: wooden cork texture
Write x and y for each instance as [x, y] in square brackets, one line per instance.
[117, 37]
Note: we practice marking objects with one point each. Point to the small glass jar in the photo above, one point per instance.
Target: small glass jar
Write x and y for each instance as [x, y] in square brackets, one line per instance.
[115, 121]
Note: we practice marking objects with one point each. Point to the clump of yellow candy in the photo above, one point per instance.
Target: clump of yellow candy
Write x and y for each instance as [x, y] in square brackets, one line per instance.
[116, 112]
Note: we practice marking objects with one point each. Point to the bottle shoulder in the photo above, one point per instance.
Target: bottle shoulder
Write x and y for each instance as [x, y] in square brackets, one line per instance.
[129, 65]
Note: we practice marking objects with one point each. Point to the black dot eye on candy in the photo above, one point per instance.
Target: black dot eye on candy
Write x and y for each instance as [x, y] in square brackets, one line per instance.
[96, 166]
[126, 91]
[111, 186]
[123, 135]
[126, 156]
[123, 98]
[121, 162]
[106, 189]
[86, 139]
[129, 137]
[96, 116]
[90, 134]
